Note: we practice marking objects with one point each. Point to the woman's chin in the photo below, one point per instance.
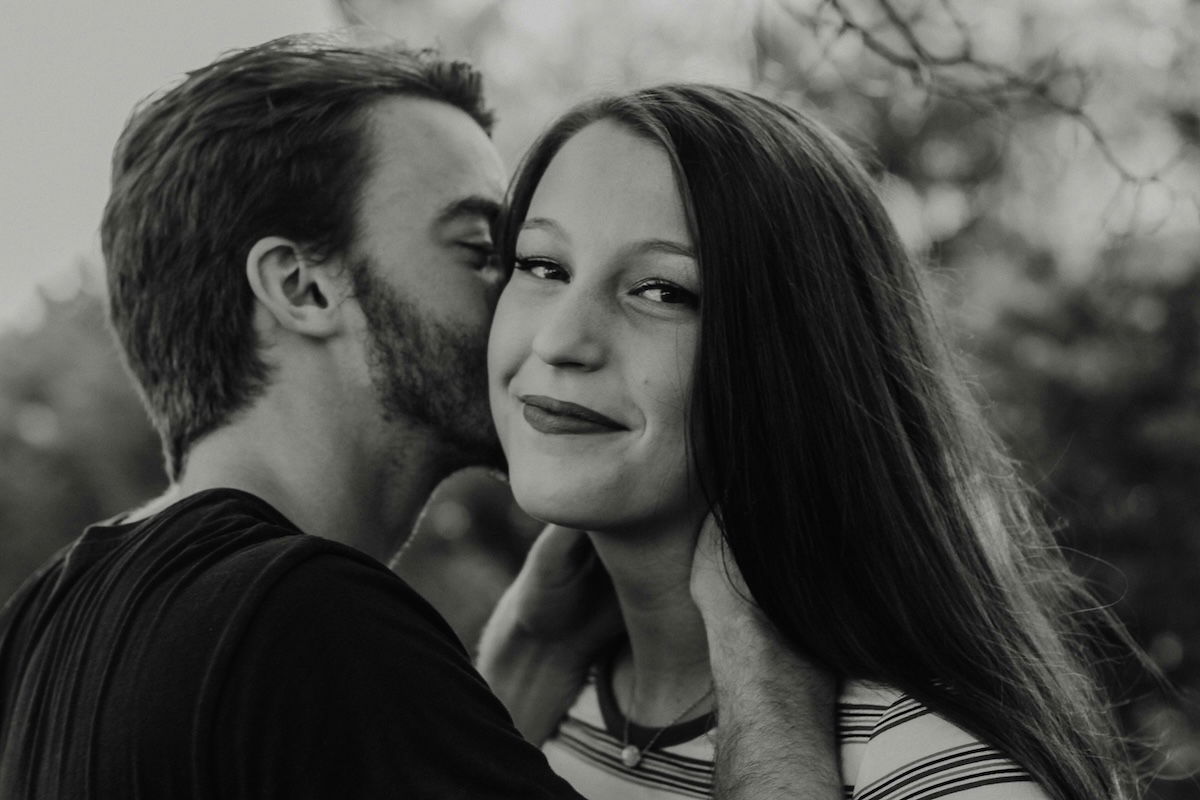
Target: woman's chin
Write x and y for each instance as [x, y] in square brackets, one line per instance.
[581, 510]
[554, 514]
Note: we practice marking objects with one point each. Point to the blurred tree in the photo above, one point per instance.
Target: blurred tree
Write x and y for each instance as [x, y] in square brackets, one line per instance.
[75, 446]
[1096, 386]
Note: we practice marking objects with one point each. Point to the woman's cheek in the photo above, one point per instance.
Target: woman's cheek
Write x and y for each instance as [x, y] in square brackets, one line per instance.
[503, 341]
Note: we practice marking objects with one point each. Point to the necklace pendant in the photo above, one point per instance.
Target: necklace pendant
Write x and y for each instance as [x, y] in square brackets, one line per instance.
[631, 756]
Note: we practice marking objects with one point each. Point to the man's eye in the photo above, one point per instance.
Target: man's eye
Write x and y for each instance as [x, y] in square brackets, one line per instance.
[483, 254]
[668, 293]
[541, 268]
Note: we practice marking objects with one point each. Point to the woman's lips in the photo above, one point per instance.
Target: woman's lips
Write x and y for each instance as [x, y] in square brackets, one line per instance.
[550, 416]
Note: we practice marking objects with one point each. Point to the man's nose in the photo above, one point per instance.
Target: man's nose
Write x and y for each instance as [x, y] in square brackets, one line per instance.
[493, 278]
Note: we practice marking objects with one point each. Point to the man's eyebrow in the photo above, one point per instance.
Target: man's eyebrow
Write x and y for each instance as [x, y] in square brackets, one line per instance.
[471, 206]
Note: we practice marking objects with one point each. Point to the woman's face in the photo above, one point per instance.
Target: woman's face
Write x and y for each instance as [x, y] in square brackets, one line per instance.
[592, 347]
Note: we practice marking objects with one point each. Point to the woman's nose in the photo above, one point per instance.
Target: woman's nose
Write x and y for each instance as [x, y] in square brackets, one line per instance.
[572, 331]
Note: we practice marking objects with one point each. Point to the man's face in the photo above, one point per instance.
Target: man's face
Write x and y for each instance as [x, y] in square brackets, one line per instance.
[422, 271]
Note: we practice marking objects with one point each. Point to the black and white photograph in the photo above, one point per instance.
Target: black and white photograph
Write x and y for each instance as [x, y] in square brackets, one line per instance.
[600, 399]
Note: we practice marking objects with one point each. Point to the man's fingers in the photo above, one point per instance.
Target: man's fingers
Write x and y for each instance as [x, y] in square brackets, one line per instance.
[710, 541]
[708, 561]
[717, 582]
[558, 556]
[605, 621]
[563, 589]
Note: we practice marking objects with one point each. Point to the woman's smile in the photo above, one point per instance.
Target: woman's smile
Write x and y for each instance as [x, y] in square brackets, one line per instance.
[557, 417]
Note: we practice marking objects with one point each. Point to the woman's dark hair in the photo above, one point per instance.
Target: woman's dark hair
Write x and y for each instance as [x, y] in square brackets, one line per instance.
[874, 517]
[271, 140]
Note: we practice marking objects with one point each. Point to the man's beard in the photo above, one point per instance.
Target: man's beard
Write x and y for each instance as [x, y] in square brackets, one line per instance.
[428, 372]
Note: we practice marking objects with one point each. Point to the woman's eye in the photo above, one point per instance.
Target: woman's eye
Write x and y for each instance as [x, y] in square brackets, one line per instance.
[669, 293]
[540, 268]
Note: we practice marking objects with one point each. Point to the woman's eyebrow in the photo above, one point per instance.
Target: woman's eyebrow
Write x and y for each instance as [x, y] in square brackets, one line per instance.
[642, 247]
[668, 246]
[544, 224]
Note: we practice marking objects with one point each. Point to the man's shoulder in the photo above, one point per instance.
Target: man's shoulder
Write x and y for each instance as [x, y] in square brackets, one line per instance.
[119, 567]
[214, 585]
[232, 554]
[244, 564]
[230, 535]
[191, 579]
[218, 535]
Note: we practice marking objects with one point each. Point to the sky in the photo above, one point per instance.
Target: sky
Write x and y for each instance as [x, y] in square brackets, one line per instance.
[70, 72]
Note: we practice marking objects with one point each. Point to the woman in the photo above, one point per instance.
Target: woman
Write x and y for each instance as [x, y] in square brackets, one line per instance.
[710, 311]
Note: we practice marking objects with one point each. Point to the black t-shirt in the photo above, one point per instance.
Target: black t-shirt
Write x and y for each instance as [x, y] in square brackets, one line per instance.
[215, 651]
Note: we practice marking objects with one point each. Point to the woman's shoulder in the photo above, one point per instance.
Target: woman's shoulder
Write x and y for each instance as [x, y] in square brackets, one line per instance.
[894, 746]
[866, 711]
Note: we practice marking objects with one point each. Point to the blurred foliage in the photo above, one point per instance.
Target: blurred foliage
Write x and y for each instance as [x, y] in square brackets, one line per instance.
[1042, 158]
[75, 445]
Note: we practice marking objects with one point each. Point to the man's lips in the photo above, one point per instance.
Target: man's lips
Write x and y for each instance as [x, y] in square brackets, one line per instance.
[547, 415]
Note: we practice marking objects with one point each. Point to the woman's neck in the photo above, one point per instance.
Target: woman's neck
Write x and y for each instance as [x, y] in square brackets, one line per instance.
[665, 670]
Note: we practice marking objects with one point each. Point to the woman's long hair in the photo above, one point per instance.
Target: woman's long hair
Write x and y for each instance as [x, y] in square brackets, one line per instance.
[875, 519]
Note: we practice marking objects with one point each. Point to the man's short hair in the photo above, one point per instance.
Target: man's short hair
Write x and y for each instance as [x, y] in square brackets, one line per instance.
[266, 141]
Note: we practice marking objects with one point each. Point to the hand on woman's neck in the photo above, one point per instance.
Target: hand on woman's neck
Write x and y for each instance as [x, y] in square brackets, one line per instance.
[668, 649]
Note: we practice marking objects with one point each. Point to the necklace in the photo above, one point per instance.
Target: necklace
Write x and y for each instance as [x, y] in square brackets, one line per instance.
[631, 755]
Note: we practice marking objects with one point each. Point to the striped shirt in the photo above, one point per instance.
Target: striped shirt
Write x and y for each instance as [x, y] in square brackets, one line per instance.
[892, 748]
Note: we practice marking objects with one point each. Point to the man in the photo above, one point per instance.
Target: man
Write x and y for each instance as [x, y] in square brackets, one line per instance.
[298, 244]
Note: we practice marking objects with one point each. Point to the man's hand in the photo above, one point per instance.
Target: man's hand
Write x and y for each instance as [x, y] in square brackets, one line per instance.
[775, 737]
[563, 592]
[718, 588]
[547, 629]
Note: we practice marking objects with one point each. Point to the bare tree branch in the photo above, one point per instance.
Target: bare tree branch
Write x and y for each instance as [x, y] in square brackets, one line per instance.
[961, 76]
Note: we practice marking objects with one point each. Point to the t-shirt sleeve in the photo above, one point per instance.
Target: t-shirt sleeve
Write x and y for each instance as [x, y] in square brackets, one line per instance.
[348, 684]
[914, 753]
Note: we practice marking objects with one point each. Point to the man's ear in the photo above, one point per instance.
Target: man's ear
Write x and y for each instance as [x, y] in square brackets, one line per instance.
[301, 295]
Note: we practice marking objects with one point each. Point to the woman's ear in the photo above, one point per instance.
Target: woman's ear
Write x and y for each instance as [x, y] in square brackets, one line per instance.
[302, 296]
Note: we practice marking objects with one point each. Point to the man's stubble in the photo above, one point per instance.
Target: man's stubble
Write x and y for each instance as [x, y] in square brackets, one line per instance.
[427, 371]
